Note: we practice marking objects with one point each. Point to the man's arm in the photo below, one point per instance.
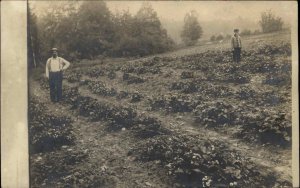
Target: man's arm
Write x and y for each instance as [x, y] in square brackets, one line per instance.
[47, 68]
[232, 43]
[240, 42]
[66, 64]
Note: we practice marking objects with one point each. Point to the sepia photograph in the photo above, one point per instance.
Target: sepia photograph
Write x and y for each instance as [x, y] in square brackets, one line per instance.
[160, 94]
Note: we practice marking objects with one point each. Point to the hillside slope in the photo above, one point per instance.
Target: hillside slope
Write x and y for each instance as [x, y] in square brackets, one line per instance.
[188, 118]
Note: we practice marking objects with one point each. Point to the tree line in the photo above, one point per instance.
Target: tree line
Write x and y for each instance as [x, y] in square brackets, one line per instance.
[89, 30]
[268, 22]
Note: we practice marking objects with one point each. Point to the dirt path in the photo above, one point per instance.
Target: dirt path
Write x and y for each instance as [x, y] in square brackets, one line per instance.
[107, 152]
[272, 160]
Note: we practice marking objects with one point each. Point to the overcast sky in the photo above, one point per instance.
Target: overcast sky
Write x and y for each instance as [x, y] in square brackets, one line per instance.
[208, 10]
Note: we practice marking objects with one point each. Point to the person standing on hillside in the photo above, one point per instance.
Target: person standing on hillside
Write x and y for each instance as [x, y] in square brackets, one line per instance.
[236, 45]
[54, 72]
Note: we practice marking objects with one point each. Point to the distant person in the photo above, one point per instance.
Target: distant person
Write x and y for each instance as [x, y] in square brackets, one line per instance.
[54, 72]
[236, 45]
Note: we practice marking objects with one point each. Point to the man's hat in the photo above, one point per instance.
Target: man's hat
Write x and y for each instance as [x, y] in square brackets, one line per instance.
[54, 49]
[236, 30]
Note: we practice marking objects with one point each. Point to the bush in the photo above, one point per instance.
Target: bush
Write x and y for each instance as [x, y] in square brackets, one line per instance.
[219, 37]
[256, 32]
[192, 30]
[187, 74]
[246, 32]
[47, 132]
[215, 114]
[140, 35]
[270, 23]
[228, 36]
[132, 79]
[90, 30]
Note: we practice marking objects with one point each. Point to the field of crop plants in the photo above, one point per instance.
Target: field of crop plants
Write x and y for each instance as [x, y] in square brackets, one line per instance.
[188, 118]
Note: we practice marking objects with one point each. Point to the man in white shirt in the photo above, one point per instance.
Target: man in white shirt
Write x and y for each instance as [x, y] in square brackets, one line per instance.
[54, 71]
[236, 45]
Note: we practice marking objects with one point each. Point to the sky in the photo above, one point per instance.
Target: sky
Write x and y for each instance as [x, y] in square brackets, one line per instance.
[212, 14]
[210, 10]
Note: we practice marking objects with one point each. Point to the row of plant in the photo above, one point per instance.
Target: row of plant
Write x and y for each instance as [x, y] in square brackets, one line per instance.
[132, 79]
[117, 116]
[213, 112]
[256, 124]
[95, 72]
[201, 87]
[100, 88]
[182, 156]
[47, 132]
[195, 161]
[283, 79]
[59, 169]
[266, 58]
[73, 77]
[44, 82]
[155, 61]
[140, 69]
[263, 51]
[53, 158]
[216, 65]
[191, 160]
[173, 102]
[262, 58]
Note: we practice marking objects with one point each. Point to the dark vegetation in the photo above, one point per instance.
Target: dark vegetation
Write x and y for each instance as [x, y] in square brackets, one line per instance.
[195, 162]
[192, 30]
[48, 132]
[268, 22]
[90, 30]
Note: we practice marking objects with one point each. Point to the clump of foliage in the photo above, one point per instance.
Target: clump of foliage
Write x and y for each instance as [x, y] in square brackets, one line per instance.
[269, 22]
[246, 32]
[192, 30]
[88, 30]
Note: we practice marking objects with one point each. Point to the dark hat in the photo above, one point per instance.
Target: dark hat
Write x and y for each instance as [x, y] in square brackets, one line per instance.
[236, 30]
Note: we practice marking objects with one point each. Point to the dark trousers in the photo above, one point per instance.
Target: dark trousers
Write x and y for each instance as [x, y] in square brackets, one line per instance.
[55, 83]
[236, 55]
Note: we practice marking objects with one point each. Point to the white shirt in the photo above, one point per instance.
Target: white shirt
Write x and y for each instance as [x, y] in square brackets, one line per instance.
[56, 64]
[236, 41]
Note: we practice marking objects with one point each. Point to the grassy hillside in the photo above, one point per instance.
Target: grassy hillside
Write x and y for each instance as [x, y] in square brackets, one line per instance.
[187, 118]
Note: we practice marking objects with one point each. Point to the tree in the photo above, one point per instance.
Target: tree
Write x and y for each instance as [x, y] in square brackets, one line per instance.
[94, 29]
[90, 29]
[56, 28]
[143, 33]
[228, 36]
[213, 38]
[246, 32]
[83, 31]
[256, 32]
[269, 22]
[219, 37]
[125, 44]
[192, 30]
[32, 38]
